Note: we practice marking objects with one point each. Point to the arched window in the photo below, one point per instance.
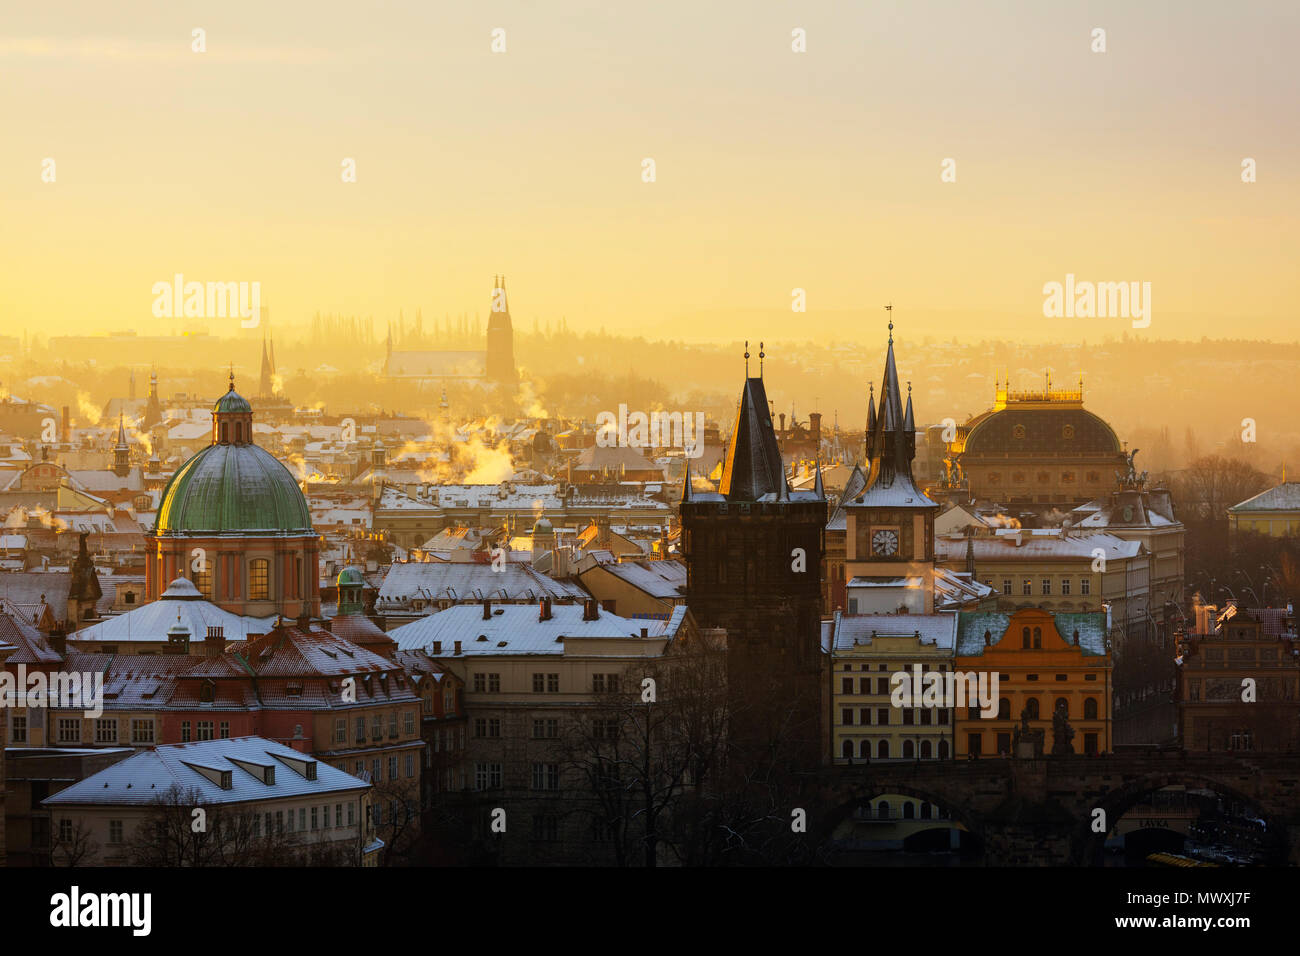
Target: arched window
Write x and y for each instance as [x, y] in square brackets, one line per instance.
[1024, 637]
[909, 810]
[1062, 705]
[925, 811]
[908, 749]
[225, 433]
[259, 585]
[846, 749]
[1090, 708]
[1031, 706]
[943, 750]
[882, 749]
[925, 750]
[207, 692]
[1004, 709]
[1038, 637]
[864, 749]
[882, 809]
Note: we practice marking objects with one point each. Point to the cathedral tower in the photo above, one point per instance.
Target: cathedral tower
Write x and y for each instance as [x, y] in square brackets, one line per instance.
[501, 338]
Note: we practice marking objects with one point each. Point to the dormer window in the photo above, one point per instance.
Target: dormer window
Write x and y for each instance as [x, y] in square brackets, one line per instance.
[208, 691]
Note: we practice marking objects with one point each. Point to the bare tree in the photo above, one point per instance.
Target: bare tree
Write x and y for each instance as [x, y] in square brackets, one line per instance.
[74, 847]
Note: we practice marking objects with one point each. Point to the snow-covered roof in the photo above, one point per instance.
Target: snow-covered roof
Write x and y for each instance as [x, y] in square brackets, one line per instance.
[971, 626]
[857, 629]
[151, 622]
[1283, 497]
[517, 629]
[431, 581]
[148, 775]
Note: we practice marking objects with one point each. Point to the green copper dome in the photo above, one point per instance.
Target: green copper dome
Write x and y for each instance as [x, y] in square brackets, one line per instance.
[233, 489]
[351, 577]
[232, 403]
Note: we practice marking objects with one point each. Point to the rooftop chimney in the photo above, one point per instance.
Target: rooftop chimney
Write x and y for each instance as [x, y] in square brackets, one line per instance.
[544, 613]
[437, 647]
[214, 643]
[66, 437]
[487, 609]
[590, 610]
[58, 639]
[457, 647]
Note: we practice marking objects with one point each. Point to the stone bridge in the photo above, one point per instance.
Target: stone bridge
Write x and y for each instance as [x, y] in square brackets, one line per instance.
[1040, 811]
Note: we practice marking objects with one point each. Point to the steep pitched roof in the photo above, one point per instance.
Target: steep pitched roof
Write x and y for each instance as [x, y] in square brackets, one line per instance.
[753, 466]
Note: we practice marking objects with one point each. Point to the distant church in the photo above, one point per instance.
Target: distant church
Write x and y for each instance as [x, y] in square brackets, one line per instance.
[494, 365]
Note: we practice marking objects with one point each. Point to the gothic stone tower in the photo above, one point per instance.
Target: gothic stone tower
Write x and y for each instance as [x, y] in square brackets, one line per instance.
[501, 338]
[753, 553]
[889, 540]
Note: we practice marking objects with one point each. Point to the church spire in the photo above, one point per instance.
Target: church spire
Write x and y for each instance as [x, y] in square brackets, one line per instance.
[890, 450]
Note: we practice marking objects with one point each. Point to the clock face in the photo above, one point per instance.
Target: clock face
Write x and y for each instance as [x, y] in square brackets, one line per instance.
[885, 542]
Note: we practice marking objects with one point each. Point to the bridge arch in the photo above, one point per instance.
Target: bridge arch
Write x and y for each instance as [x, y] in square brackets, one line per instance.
[844, 800]
[1087, 847]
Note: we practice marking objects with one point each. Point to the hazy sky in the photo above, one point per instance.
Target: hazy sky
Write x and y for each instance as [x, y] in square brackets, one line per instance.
[775, 169]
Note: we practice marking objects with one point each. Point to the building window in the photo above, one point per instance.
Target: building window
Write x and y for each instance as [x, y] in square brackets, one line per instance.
[487, 726]
[410, 765]
[882, 749]
[539, 683]
[846, 749]
[259, 588]
[552, 683]
[1038, 638]
[908, 749]
[1047, 585]
[392, 725]
[65, 830]
[1031, 708]
[1024, 638]
[202, 581]
[315, 820]
[1062, 706]
[142, 731]
[604, 728]
[1004, 709]
[487, 776]
[361, 730]
[546, 776]
[115, 832]
[340, 730]
[69, 730]
[203, 731]
[1085, 586]
[846, 716]
[1026, 586]
[392, 767]
[18, 730]
[974, 744]
[1006, 586]
[1090, 708]
[408, 721]
[1065, 585]
[846, 685]
[338, 814]
[546, 827]
[223, 730]
[106, 730]
[185, 731]
[926, 752]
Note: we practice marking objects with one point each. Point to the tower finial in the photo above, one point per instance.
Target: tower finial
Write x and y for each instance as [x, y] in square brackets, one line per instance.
[890, 309]
[746, 358]
[232, 376]
[761, 353]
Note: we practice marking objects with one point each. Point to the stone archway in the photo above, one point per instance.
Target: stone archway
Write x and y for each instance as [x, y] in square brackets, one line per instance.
[1087, 847]
[844, 801]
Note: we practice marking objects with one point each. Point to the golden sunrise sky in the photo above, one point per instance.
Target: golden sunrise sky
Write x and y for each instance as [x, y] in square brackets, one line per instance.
[775, 170]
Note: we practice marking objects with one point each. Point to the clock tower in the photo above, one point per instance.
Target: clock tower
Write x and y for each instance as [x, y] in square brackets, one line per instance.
[889, 541]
